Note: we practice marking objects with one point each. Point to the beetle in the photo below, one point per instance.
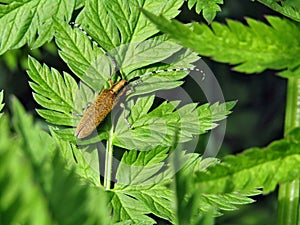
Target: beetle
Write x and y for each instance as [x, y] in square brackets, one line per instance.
[108, 99]
[102, 106]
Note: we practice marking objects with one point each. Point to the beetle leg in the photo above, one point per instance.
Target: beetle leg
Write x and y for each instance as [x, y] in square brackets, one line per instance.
[88, 105]
[77, 114]
[125, 118]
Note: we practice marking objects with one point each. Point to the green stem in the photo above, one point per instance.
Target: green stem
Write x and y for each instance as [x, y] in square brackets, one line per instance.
[108, 161]
[288, 196]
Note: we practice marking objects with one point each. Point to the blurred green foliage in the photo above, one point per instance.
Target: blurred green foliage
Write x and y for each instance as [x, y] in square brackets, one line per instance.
[256, 121]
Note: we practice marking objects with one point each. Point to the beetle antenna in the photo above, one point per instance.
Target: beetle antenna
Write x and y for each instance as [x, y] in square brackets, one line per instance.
[115, 65]
[112, 59]
[139, 78]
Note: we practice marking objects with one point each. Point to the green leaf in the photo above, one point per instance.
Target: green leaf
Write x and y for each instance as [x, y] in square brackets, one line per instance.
[124, 33]
[85, 163]
[93, 67]
[34, 179]
[210, 114]
[32, 145]
[136, 179]
[236, 43]
[61, 97]
[192, 206]
[165, 80]
[186, 199]
[209, 8]
[290, 73]
[225, 202]
[88, 62]
[30, 22]
[54, 92]
[145, 175]
[157, 199]
[289, 8]
[137, 168]
[254, 168]
[157, 128]
[1, 102]
[102, 23]
[139, 176]
[128, 208]
[112, 23]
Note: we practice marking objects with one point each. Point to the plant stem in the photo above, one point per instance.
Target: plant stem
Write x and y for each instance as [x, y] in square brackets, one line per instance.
[288, 196]
[108, 160]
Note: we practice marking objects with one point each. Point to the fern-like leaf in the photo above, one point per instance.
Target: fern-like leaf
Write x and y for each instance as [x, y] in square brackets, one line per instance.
[157, 127]
[93, 67]
[54, 92]
[209, 8]
[135, 180]
[289, 8]
[88, 62]
[112, 23]
[21, 21]
[192, 203]
[156, 199]
[58, 94]
[144, 176]
[254, 48]
[101, 19]
[254, 168]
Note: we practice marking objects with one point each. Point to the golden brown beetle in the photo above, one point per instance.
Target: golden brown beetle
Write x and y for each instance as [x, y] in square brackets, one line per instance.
[108, 99]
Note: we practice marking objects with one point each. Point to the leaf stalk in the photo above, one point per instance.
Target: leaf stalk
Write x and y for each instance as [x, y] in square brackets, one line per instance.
[288, 195]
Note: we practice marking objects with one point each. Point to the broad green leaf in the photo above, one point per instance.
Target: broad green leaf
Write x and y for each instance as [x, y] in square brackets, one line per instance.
[138, 169]
[289, 8]
[153, 129]
[210, 114]
[209, 8]
[30, 21]
[159, 49]
[254, 168]
[1, 101]
[165, 80]
[236, 43]
[186, 199]
[19, 198]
